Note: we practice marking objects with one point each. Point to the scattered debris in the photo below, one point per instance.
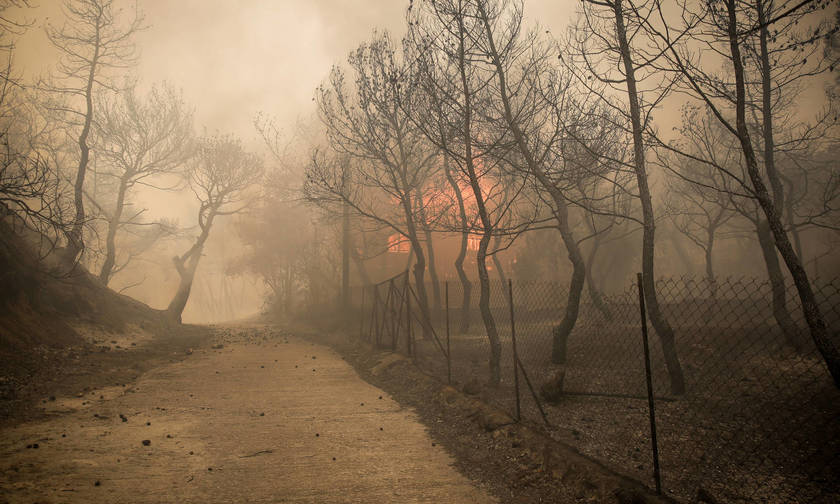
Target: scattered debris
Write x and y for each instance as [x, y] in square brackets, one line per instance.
[261, 452]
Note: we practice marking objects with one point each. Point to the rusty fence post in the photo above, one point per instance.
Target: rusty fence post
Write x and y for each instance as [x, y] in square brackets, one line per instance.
[408, 323]
[448, 349]
[656, 474]
[515, 354]
[392, 310]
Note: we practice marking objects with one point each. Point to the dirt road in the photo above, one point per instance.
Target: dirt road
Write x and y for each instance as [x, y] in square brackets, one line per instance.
[264, 419]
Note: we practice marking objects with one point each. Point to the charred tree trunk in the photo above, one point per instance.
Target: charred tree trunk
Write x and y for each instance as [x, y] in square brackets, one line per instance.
[111, 238]
[777, 286]
[500, 270]
[186, 272]
[486, 225]
[658, 320]
[466, 285]
[186, 266]
[810, 308]
[594, 292]
[419, 269]
[430, 249]
[75, 237]
[484, 306]
[561, 333]
[561, 212]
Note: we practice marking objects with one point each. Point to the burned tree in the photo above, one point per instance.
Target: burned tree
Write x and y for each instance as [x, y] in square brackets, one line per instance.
[740, 33]
[390, 158]
[139, 143]
[611, 63]
[220, 175]
[445, 38]
[93, 42]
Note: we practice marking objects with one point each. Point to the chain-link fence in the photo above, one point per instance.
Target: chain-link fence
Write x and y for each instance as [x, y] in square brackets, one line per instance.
[759, 420]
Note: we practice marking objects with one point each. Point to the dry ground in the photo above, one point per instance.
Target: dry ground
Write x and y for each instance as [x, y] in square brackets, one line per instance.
[265, 418]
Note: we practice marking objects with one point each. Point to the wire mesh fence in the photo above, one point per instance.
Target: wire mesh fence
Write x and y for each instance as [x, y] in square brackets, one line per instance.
[760, 417]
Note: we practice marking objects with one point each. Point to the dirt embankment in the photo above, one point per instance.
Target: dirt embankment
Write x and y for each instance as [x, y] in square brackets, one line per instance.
[64, 333]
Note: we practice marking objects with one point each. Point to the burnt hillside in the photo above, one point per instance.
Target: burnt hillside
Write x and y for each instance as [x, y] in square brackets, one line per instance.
[58, 331]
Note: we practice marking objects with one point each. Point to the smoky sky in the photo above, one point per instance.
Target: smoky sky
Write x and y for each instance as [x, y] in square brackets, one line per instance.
[236, 59]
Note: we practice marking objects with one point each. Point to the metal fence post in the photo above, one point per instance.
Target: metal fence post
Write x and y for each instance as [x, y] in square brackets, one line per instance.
[515, 355]
[376, 313]
[408, 323]
[448, 351]
[656, 475]
[362, 315]
[392, 310]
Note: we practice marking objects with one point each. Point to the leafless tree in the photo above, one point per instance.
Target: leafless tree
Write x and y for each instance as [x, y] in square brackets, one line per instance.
[445, 39]
[608, 55]
[743, 34]
[546, 117]
[695, 203]
[93, 41]
[140, 141]
[390, 160]
[220, 176]
[31, 192]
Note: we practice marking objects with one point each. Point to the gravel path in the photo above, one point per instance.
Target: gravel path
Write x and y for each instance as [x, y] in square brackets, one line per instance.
[267, 419]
